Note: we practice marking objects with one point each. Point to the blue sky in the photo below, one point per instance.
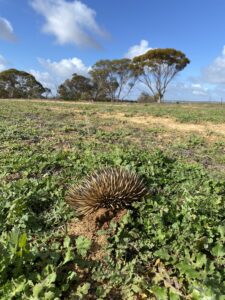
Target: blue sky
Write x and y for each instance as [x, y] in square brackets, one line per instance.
[55, 38]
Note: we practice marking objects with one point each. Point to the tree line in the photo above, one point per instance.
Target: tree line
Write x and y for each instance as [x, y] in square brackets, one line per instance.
[108, 80]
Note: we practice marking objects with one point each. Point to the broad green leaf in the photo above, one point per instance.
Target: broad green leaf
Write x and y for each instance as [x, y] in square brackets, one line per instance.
[218, 250]
[23, 240]
[83, 245]
[159, 292]
[83, 289]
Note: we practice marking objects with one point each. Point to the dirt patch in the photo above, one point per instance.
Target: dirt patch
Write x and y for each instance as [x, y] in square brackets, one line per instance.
[13, 177]
[170, 123]
[89, 226]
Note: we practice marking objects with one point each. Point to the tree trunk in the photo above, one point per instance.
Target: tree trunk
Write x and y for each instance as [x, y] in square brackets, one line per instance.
[160, 97]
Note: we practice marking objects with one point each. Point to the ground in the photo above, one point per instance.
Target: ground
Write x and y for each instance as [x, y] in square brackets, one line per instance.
[46, 146]
[194, 132]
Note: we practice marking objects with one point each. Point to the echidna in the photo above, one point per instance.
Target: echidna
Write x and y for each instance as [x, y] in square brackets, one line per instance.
[112, 188]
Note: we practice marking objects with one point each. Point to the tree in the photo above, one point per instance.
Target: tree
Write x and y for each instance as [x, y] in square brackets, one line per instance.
[47, 93]
[19, 84]
[124, 75]
[75, 88]
[156, 68]
[146, 98]
[103, 80]
[112, 77]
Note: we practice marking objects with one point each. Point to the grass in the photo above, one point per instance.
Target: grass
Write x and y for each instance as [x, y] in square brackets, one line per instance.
[169, 247]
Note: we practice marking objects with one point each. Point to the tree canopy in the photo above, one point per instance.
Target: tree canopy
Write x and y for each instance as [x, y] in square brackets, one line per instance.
[157, 67]
[104, 80]
[113, 78]
[75, 88]
[108, 80]
[19, 84]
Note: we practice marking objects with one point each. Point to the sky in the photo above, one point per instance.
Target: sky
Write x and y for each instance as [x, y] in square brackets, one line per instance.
[52, 39]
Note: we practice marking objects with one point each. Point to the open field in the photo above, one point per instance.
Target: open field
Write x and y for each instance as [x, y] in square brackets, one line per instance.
[169, 247]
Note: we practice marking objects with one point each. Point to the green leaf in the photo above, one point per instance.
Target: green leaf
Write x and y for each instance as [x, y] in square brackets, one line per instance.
[51, 278]
[83, 245]
[66, 242]
[69, 256]
[14, 237]
[173, 296]
[50, 296]
[83, 289]
[162, 253]
[135, 288]
[221, 230]
[37, 289]
[186, 268]
[159, 292]
[218, 250]
[23, 240]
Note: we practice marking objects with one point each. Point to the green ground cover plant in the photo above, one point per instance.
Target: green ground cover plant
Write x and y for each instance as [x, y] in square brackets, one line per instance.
[170, 246]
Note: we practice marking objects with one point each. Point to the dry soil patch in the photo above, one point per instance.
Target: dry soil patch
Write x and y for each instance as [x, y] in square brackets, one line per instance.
[170, 123]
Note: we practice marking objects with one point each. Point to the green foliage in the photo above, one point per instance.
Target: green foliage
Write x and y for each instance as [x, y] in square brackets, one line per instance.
[146, 98]
[20, 84]
[75, 88]
[112, 79]
[169, 247]
[36, 268]
[83, 245]
[157, 67]
[174, 242]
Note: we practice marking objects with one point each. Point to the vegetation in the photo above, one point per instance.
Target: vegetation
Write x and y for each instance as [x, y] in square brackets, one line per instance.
[157, 67]
[170, 246]
[77, 88]
[108, 80]
[113, 78]
[146, 98]
[20, 84]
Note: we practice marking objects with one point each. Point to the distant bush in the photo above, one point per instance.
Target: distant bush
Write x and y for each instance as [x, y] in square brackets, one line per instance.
[146, 98]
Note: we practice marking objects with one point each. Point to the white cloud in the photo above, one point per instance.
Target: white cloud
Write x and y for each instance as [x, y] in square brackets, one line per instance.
[58, 71]
[6, 30]
[70, 22]
[65, 67]
[215, 72]
[138, 49]
[186, 90]
[3, 63]
[45, 79]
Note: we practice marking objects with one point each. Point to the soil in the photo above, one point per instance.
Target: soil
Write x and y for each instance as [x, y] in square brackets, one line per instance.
[89, 226]
[170, 123]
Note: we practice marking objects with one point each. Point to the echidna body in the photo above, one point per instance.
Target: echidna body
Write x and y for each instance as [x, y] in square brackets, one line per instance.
[112, 188]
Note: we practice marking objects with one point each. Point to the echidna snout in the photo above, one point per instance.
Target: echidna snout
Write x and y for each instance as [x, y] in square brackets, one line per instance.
[110, 188]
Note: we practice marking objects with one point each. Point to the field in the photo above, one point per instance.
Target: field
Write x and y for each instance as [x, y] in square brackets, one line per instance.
[169, 246]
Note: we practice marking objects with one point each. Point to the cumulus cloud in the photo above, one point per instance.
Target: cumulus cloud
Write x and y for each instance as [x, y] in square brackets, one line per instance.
[70, 22]
[184, 90]
[6, 30]
[138, 49]
[58, 71]
[65, 67]
[45, 79]
[209, 85]
[215, 72]
[187, 90]
[3, 63]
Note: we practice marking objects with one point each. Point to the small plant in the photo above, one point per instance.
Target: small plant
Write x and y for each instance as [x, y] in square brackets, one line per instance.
[107, 188]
